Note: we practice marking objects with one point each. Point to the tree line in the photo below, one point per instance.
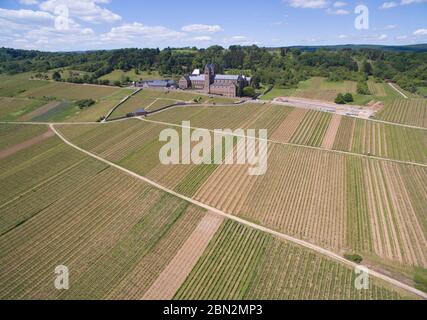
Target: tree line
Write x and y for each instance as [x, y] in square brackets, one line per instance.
[284, 67]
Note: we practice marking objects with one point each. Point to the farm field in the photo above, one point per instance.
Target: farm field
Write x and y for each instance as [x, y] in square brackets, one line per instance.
[14, 85]
[308, 127]
[142, 235]
[97, 230]
[383, 140]
[120, 75]
[14, 108]
[147, 97]
[70, 91]
[242, 263]
[319, 186]
[318, 88]
[406, 111]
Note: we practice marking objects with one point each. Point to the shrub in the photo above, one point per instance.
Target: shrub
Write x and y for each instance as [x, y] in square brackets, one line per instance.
[340, 99]
[353, 257]
[362, 88]
[85, 103]
[249, 92]
[348, 97]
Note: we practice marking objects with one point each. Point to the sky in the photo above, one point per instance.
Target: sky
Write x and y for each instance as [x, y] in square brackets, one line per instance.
[75, 25]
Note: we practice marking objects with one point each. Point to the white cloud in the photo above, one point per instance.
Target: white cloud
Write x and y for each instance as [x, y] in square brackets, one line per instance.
[380, 37]
[202, 38]
[393, 4]
[308, 4]
[388, 5]
[406, 2]
[29, 2]
[136, 30]
[402, 37]
[27, 17]
[420, 32]
[85, 10]
[339, 12]
[202, 28]
[340, 4]
[390, 27]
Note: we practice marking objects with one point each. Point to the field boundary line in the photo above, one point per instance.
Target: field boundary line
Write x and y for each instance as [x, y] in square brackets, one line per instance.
[284, 236]
[288, 143]
[400, 92]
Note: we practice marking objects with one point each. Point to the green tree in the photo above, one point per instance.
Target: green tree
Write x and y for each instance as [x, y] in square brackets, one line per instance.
[249, 92]
[348, 97]
[340, 99]
[56, 76]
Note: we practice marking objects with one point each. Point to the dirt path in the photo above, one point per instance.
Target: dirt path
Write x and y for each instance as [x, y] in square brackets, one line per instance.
[26, 144]
[400, 92]
[302, 243]
[174, 275]
[329, 139]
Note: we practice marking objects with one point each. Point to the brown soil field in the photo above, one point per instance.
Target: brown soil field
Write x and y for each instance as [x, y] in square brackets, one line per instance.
[174, 275]
[329, 139]
[26, 144]
[287, 129]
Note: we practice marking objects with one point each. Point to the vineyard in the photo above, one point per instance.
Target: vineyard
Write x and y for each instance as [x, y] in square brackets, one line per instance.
[13, 108]
[382, 140]
[377, 89]
[318, 196]
[406, 111]
[70, 91]
[242, 263]
[153, 99]
[77, 211]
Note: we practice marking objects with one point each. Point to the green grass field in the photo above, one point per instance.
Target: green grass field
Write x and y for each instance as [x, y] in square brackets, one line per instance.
[319, 89]
[120, 75]
[13, 108]
[153, 99]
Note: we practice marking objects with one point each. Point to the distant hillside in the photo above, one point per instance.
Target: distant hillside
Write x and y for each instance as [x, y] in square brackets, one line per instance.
[410, 48]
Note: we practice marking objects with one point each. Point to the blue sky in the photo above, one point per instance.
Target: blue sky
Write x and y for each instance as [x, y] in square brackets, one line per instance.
[62, 25]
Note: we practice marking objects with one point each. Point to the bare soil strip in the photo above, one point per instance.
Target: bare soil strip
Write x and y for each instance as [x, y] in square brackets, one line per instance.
[40, 111]
[174, 275]
[287, 129]
[329, 139]
[26, 144]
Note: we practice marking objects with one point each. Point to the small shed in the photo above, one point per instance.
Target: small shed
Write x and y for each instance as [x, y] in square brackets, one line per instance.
[140, 112]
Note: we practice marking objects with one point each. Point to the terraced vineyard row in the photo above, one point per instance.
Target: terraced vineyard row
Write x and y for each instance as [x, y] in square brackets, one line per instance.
[312, 129]
[311, 194]
[242, 263]
[106, 219]
[383, 140]
[406, 111]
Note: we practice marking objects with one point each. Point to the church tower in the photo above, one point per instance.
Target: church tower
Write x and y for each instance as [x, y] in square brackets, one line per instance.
[209, 77]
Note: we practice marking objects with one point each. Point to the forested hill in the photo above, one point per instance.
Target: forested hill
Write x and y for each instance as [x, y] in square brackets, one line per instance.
[284, 67]
[408, 48]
